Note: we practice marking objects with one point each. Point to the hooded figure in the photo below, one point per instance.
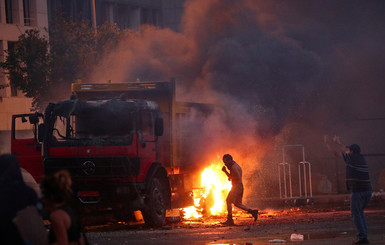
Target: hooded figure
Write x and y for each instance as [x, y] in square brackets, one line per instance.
[15, 195]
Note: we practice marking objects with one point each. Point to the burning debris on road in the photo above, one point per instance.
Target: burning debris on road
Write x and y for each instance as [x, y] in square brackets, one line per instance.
[209, 197]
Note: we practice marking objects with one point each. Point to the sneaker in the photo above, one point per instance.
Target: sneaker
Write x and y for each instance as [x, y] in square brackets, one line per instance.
[361, 241]
[254, 213]
[228, 222]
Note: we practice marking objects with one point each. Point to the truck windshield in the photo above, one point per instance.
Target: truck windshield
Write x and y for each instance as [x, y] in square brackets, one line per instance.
[90, 122]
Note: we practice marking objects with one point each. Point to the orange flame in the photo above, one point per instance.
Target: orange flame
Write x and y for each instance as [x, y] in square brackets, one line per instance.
[209, 198]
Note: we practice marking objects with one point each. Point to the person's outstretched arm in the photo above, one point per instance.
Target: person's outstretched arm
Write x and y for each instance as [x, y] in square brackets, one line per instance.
[336, 147]
[337, 141]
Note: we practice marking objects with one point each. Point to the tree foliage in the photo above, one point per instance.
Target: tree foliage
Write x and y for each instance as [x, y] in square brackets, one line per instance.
[45, 70]
[76, 48]
[27, 65]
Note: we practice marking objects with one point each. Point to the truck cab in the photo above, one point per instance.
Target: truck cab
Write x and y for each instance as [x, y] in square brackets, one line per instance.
[120, 142]
[110, 148]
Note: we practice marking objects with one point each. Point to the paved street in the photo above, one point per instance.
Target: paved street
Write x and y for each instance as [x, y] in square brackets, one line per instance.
[331, 225]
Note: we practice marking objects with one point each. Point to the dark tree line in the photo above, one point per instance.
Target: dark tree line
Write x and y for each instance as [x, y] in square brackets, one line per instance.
[44, 69]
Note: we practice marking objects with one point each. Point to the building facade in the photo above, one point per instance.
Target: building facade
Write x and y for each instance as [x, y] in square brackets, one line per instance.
[125, 13]
[16, 16]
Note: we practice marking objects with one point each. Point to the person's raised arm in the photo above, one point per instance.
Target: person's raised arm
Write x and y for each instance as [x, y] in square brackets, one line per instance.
[224, 169]
[327, 143]
[336, 147]
[337, 141]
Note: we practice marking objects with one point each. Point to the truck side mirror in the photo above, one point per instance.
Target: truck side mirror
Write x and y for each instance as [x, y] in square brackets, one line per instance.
[158, 126]
[34, 119]
[40, 132]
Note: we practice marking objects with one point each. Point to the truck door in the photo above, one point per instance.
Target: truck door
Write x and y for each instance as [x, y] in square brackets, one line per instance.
[147, 142]
[25, 145]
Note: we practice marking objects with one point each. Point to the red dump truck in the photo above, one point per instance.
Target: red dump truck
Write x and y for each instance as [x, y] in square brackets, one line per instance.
[119, 142]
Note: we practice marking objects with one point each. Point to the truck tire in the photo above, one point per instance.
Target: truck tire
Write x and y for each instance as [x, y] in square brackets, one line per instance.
[154, 212]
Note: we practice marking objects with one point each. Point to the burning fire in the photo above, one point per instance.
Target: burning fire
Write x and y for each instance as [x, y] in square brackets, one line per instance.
[210, 197]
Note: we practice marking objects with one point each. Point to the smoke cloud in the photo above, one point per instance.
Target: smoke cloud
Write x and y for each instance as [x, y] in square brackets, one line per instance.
[281, 72]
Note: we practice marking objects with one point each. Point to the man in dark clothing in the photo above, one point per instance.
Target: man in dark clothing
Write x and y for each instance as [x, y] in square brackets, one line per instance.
[236, 193]
[15, 195]
[357, 182]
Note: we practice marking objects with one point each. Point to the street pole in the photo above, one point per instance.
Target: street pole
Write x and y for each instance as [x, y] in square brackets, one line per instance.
[93, 11]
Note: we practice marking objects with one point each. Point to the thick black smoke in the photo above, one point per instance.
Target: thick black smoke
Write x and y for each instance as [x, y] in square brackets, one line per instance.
[284, 71]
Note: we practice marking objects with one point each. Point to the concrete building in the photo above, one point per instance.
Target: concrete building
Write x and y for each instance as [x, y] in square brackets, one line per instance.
[16, 16]
[126, 13]
[172, 13]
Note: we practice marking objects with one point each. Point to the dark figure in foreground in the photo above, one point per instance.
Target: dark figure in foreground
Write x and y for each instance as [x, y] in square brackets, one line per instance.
[15, 195]
[357, 182]
[236, 193]
[65, 224]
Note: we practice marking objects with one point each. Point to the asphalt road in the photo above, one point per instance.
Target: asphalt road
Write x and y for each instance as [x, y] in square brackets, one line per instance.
[317, 225]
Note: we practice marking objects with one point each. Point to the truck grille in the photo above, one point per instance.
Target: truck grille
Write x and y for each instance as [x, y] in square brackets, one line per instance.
[94, 167]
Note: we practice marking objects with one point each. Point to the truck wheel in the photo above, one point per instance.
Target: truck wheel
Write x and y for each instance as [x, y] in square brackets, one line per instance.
[154, 211]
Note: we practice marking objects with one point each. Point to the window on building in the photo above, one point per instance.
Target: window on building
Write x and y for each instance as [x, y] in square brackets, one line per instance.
[27, 12]
[123, 16]
[13, 91]
[105, 14]
[11, 46]
[149, 16]
[8, 12]
[2, 76]
[1, 51]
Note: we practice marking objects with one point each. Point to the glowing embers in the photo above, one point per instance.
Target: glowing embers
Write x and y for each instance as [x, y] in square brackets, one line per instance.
[210, 198]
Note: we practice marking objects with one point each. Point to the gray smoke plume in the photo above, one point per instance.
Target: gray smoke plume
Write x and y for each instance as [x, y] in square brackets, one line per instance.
[282, 72]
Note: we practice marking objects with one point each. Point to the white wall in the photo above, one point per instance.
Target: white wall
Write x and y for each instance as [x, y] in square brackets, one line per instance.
[10, 32]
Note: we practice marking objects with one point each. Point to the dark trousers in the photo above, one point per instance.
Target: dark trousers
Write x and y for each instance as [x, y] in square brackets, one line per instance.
[358, 202]
[235, 197]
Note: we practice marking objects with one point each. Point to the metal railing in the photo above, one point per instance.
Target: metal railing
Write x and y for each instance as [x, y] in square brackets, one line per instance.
[285, 176]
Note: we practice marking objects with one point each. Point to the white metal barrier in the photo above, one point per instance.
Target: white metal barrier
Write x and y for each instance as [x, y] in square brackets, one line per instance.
[284, 175]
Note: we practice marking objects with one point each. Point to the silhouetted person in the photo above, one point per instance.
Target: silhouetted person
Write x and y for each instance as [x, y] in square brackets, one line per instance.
[15, 195]
[65, 224]
[357, 181]
[236, 193]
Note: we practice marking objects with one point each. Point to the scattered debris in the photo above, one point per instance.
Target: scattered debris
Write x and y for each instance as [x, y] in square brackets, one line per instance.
[296, 237]
[277, 241]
